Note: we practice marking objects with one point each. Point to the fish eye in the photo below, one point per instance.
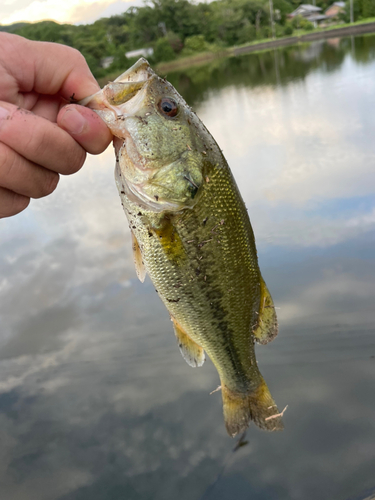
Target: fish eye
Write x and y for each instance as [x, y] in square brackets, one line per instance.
[168, 107]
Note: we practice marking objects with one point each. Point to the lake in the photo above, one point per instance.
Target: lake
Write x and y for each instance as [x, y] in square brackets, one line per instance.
[96, 402]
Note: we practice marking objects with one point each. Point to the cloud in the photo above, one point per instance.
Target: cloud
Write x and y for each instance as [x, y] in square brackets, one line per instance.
[69, 11]
[293, 152]
[289, 155]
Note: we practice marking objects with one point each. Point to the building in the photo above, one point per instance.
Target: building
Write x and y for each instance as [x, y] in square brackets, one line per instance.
[106, 62]
[335, 9]
[305, 10]
[140, 53]
[311, 13]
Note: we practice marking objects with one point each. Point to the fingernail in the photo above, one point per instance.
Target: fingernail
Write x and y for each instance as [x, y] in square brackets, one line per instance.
[4, 113]
[73, 121]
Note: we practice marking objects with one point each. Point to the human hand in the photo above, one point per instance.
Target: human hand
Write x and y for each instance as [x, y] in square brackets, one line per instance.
[40, 137]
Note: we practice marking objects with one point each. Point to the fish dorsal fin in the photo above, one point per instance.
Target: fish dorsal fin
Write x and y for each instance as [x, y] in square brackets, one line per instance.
[266, 328]
[192, 353]
[138, 260]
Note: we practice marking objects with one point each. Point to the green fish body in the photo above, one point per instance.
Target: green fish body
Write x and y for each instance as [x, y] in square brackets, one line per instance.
[192, 235]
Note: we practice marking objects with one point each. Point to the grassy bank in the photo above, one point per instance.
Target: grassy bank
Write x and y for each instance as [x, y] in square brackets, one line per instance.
[181, 63]
[265, 44]
[257, 46]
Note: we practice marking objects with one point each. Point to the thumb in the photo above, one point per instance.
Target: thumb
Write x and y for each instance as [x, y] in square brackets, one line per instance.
[86, 127]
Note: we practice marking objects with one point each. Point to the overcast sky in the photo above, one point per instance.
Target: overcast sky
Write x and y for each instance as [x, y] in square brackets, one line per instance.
[69, 11]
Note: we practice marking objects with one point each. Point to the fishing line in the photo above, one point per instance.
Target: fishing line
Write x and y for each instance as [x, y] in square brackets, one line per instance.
[240, 443]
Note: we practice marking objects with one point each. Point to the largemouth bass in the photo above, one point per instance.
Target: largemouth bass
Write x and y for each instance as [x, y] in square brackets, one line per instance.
[192, 235]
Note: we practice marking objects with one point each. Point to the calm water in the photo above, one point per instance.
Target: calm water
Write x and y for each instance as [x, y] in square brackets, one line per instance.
[96, 402]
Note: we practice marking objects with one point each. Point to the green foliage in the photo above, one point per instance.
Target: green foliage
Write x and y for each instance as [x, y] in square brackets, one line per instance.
[368, 8]
[175, 42]
[195, 44]
[284, 7]
[231, 20]
[324, 4]
[299, 22]
[265, 32]
[296, 21]
[357, 9]
[120, 61]
[48, 31]
[247, 32]
[288, 29]
[178, 16]
[163, 50]
[306, 25]
[11, 28]
[362, 9]
[175, 27]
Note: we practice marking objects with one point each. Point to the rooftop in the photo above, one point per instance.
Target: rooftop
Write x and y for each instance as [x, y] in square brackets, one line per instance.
[305, 9]
[308, 6]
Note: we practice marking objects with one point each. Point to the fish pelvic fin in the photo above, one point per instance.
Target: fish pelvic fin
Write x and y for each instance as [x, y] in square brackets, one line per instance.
[266, 328]
[192, 353]
[138, 259]
[256, 405]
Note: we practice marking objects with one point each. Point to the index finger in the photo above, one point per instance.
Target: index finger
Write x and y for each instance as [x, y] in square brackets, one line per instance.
[47, 68]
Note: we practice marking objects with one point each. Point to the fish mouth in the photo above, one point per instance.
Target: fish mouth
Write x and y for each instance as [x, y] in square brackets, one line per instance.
[121, 99]
[121, 90]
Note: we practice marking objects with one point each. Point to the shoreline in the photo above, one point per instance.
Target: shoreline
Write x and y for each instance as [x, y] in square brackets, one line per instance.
[355, 29]
[204, 57]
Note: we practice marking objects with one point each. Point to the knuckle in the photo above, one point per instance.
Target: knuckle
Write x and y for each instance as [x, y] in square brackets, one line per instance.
[38, 144]
[76, 55]
[7, 161]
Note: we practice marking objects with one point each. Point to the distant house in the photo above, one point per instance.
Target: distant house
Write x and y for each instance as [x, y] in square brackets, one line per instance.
[305, 10]
[106, 62]
[140, 53]
[335, 9]
[310, 12]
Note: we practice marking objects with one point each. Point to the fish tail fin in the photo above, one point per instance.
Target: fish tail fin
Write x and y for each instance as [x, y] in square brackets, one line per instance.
[257, 405]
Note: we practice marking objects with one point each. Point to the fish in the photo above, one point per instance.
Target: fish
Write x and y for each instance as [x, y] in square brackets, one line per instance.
[192, 235]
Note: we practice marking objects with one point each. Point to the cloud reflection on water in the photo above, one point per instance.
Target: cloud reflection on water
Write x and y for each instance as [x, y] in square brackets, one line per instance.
[292, 148]
[95, 399]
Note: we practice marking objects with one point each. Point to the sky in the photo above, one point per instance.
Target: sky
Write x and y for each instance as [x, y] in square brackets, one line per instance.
[68, 11]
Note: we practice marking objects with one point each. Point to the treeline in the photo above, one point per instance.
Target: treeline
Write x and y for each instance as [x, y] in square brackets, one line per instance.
[362, 9]
[172, 28]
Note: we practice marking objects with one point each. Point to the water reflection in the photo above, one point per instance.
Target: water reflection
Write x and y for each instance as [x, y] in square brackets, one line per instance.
[95, 400]
[290, 64]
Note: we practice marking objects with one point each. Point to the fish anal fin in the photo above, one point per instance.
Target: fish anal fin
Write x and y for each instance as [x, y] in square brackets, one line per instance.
[138, 260]
[192, 353]
[256, 405]
[266, 328]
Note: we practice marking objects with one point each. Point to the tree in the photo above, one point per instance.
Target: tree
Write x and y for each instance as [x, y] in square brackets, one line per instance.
[368, 8]
[163, 50]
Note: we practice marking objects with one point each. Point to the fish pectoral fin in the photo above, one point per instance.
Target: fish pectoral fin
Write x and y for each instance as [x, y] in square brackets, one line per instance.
[256, 405]
[192, 353]
[266, 328]
[138, 260]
